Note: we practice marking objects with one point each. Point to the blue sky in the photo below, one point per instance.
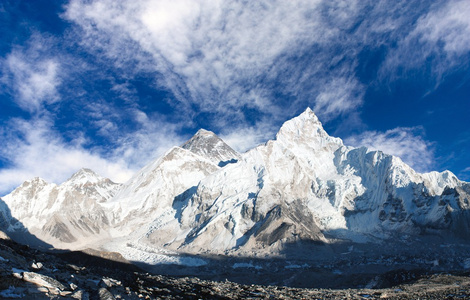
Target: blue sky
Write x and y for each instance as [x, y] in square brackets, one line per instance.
[111, 85]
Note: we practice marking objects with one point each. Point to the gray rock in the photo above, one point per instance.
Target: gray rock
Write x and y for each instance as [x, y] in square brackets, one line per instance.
[110, 282]
[53, 285]
[37, 265]
[104, 294]
[81, 295]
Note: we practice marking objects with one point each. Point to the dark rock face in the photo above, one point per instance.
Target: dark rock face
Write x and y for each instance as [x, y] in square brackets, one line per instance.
[288, 223]
[207, 144]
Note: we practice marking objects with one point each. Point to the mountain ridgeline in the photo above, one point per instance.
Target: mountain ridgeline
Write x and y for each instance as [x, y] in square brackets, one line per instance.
[204, 197]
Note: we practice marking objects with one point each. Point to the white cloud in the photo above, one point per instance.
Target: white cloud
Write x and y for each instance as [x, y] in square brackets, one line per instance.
[32, 148]
[449, 25]
[465, 174]
[154, 137]
[214, 55]
[224, 56]
[31, 79]
[404, 142]
[338, 96]
[438, 39]
[245, 138]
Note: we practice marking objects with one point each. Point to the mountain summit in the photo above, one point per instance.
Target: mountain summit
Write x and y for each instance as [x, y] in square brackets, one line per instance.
[207, 144]
[85, 175]
[306, 129]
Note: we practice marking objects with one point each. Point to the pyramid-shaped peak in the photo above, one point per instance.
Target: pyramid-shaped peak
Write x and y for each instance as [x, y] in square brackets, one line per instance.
[206, 133]
[307, 128]
[305, 119]
[84, 172]
[202, 139]
[207, 144]
[307, 116]
[83, 176]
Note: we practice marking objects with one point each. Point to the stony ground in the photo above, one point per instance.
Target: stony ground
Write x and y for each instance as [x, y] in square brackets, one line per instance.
[30, 274]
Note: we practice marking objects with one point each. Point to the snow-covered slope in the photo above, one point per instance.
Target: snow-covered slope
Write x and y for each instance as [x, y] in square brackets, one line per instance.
[149, 194]
[147, 204]
[63, 215]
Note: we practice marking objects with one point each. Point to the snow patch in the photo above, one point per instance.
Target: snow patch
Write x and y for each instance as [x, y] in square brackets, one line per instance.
[153, 256]
[248, 265]
[295, 266]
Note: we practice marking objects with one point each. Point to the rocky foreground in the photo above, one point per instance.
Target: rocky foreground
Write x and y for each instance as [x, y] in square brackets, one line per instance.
[31, 274]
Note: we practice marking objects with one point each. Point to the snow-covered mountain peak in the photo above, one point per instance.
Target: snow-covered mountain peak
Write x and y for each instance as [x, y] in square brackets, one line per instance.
[308, 114]
[32, 186]
[37, 181]
[85, 176]
[203, 132]
[208, 145]
[84, 172]
[307, 129]
[201, 139]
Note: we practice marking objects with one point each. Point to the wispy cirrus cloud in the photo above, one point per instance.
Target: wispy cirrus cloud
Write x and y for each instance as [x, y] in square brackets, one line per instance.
[54, 146]
[30, 75]
[407, 143]
[465, 174]
[339, 95]
[274, 57]
[219, 56]
[154, 136]
[447, 27]
[436, 44]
